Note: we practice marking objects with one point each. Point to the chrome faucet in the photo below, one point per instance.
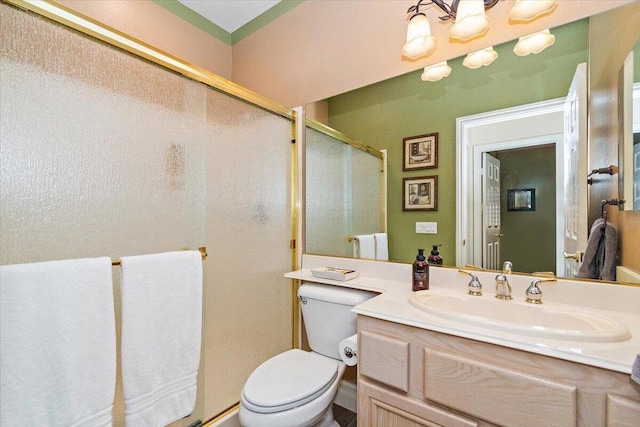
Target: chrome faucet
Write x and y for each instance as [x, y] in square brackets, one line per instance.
[534, 294]
[503, 289]
[507, 267]
[475, 287]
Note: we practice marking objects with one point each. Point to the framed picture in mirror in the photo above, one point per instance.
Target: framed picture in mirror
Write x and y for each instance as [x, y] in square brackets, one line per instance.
[420, 152]
[420, 193]
[521, 200]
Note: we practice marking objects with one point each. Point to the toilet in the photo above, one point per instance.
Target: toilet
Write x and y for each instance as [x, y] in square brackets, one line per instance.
[296, 388]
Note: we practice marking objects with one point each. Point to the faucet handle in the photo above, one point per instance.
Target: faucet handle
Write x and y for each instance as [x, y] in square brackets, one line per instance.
[507, 267]
[475, 287]
[534, 294]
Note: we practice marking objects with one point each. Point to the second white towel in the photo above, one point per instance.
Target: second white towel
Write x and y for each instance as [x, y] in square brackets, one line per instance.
[382, 246]
[364, 246]
[161, 336]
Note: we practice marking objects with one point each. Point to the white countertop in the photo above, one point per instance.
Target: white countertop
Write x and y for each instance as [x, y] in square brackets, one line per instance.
[393, 282]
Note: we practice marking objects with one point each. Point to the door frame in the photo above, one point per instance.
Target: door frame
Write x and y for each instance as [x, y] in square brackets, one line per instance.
[468, 153]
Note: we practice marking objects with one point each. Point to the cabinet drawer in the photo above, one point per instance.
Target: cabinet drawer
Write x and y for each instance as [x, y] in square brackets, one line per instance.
[379, 407]
[495, 394]
[384, 359]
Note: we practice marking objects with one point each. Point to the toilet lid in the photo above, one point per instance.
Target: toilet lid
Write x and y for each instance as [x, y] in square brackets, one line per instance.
[288, 380]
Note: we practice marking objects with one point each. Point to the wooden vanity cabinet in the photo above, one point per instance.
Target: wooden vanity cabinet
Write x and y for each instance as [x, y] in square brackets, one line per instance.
[410, 377]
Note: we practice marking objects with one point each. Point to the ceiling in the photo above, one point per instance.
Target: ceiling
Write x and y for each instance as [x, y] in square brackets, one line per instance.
[229, 14]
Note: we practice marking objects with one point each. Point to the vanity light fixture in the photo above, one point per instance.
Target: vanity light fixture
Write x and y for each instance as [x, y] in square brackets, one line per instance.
[527, 10]
[436, 72]
[480, 58]
[470, 21]
[534, 43]
[469, 15]
[420, 42]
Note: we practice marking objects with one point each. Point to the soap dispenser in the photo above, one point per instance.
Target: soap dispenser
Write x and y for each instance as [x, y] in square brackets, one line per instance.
[420, 272]
[435, 258]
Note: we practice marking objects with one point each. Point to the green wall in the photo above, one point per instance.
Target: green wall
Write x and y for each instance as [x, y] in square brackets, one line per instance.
[529, 236]
[383, 113]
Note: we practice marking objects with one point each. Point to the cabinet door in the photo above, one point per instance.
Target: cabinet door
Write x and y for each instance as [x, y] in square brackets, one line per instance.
[381, 407]
[384, 359]
[622, 412]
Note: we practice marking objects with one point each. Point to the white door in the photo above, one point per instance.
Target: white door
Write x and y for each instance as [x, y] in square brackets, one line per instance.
[490, 212]
[575, 172]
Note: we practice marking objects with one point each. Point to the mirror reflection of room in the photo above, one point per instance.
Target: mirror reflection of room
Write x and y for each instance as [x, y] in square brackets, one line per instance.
[405, 105]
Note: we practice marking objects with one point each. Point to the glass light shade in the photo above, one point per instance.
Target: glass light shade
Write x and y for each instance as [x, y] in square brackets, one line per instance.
[471, 21]
[534, 43]
[526, 10]
[420, 42]
[479, 58]
[435, 72]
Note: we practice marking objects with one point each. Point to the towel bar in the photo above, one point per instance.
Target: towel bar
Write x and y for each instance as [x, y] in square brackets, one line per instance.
[202, 249]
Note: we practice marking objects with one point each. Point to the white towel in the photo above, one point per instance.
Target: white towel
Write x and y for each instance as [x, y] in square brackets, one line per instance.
[161, 336]
[58, 339]
[382, 246]
[364, 246]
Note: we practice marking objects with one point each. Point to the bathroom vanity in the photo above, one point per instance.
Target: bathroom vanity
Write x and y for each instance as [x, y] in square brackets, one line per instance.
[452, 365]
[410, 376]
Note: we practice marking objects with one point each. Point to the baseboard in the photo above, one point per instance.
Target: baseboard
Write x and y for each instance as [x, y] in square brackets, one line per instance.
[347, 396]
[229, 419]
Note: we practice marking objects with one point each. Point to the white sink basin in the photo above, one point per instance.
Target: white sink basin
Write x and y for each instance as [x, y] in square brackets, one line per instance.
[519, 317]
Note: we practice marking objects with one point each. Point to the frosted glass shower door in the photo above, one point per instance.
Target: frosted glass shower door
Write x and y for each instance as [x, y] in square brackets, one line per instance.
[344, 194]
[248, 306]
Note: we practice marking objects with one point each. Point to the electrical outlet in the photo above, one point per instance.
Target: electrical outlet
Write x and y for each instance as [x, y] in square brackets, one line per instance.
[427, 227]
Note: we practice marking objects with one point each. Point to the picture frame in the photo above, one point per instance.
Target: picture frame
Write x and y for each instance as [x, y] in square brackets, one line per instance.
[420, 193]
[521, 199]
[420, 152]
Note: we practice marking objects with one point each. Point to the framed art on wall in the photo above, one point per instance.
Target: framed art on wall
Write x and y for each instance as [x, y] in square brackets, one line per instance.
[420, 193]
[521, 200]
[420, 152]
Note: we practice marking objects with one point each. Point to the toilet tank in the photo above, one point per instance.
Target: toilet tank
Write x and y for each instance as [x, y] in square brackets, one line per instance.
[327, 315]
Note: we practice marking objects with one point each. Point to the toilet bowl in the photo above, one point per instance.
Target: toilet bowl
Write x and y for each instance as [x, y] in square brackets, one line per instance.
[296, 388]
[301, 396]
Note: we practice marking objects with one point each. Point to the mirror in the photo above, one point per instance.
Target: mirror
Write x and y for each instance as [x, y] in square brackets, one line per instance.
[404, 106]
[629, 136]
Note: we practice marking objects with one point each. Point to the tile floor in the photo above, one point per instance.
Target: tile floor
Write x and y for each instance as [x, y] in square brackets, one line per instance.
[344, 417]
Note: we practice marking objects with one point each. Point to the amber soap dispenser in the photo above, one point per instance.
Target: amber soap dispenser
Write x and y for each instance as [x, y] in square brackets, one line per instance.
[420, 272]
[435, 258]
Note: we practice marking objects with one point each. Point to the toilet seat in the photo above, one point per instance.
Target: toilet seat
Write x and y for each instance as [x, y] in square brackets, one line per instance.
[288, 380]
